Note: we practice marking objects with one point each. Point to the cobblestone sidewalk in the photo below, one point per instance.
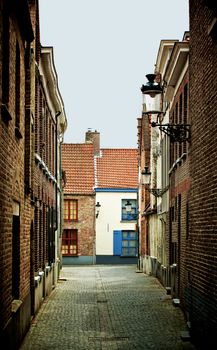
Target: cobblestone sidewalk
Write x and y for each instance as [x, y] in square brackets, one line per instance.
[107, 308]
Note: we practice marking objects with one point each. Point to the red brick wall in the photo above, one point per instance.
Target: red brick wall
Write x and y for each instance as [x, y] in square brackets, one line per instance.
[201, 291]
[144, 160]
[44, 187]
[85, 223]
[12, 158]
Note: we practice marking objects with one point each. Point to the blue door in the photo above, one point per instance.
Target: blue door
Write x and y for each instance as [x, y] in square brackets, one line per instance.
[117, 242]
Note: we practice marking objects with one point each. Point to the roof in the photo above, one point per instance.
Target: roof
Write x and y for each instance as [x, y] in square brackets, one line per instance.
[78, 163]
[117, 168]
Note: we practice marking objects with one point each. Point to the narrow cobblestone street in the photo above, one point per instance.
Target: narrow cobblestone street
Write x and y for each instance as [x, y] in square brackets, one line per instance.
[107, 307]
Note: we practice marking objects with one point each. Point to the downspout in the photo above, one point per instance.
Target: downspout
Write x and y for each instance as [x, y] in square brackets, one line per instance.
[61, 187]
[56, 167]
[56, 194]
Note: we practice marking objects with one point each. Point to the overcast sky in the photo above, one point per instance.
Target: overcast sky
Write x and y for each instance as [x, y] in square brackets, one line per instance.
[102, 51]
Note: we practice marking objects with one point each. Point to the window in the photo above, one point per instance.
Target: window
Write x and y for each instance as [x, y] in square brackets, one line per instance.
[5, 60]
[71, 209]
[70, 242]
[125, 243]
[17, 87]
[129, 215]
[173, 253]
[185, 115]
[129, 243]
[165, 146]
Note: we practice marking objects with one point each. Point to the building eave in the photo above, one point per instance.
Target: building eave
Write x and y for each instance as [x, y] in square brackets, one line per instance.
[50, 81]
[178, 58]
[163, 54]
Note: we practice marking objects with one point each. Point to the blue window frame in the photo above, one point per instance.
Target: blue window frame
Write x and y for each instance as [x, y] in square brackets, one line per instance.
[125, 243]
[129, 243]
[129, 215]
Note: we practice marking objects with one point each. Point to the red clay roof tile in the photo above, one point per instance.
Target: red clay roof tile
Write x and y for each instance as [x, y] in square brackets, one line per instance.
[78, 163]
[117, 168]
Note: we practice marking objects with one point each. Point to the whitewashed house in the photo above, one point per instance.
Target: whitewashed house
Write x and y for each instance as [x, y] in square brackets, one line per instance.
[116, 181]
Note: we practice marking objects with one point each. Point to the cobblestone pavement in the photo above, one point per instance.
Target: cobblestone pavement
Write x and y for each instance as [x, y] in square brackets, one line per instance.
[107, 307]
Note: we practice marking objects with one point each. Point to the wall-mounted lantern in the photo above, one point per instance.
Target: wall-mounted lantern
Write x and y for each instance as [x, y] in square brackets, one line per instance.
[146, 179]
[146, 176]
[128, 206]
[98, 206]
[152, 105]
[152, 95]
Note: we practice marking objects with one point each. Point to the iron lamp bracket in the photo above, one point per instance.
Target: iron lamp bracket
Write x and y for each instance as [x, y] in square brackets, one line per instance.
[176, 132]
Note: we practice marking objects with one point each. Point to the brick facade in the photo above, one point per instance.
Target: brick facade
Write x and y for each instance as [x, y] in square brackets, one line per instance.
[30, 187]
[164, 223]
[15, 202]
[78, 245]
[144, 146]
[201, 289]
[84, 225]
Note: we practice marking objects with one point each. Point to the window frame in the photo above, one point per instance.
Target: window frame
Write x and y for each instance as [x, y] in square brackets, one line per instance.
[129, 239]
[70, 242]
[129, 216]
[74, 217]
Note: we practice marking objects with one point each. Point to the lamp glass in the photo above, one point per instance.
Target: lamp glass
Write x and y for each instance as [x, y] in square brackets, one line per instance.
[146, 176]
[128, 206]
[152, 103]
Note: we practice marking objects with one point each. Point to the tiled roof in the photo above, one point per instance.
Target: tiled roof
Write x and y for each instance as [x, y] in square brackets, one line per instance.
[117, 168]
[78, 163]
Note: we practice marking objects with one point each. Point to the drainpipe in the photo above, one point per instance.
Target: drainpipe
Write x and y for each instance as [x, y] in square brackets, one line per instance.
[56, 194]
[56, 167]
[61, 177]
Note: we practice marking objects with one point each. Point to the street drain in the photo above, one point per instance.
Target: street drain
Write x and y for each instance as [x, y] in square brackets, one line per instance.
[102, 301]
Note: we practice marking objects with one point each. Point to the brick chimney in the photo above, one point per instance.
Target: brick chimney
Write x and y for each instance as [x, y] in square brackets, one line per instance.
[94, 137]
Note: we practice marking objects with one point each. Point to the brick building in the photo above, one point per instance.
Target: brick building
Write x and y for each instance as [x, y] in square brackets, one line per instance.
[30, 137]
[163, 202]
[176, 164]
[78, 241]
[50, 124]
[16, 35]
[201, 286]
[143, 195]
[188, 167]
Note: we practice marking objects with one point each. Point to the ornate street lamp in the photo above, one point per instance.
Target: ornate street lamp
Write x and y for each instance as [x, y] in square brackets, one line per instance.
[152, 105]
[146, 178]
[152, 94]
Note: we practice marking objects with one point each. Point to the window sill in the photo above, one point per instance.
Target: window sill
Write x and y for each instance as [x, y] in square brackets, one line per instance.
[133, 221]
[70, 256]
[70, 221]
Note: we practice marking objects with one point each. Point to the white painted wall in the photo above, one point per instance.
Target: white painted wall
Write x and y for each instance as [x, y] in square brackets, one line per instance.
[109, 219]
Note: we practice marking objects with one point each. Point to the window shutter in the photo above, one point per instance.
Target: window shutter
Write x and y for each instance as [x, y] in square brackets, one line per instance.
[117, 240]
